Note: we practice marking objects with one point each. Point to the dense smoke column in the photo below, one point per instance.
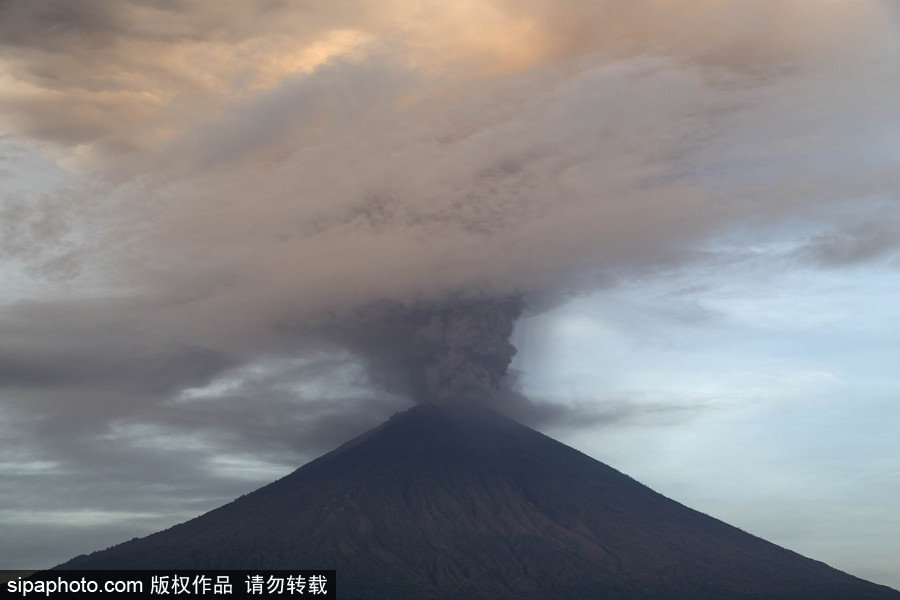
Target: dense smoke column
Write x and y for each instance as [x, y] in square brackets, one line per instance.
[462, 352]
[454, 351]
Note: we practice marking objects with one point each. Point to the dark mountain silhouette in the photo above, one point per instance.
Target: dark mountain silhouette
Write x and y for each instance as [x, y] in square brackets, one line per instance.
[462, 503]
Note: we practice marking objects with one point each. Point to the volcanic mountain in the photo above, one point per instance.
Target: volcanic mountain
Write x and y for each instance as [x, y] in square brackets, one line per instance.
[440, 503]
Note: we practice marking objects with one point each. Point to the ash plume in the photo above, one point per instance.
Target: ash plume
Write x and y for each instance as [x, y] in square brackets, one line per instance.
[295, 163]
[452, 352]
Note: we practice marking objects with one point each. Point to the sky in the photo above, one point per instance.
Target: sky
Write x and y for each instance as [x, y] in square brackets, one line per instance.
[228, 228]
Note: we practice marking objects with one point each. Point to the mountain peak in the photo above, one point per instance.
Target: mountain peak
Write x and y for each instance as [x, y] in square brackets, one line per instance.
[457, 501]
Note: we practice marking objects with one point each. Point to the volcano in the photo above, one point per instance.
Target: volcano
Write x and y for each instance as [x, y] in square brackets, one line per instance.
[440, 503]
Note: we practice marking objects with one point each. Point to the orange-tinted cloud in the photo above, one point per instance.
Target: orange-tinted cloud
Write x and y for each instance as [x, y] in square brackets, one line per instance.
[102, 77]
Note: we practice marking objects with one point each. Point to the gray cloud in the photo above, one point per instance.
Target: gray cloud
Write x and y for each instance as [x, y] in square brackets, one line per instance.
[264, 209]
[76, 345]
[852, 244]
[454, 353]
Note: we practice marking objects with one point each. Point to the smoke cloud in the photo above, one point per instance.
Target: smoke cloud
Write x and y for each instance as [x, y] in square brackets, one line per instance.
[463, 352]
[272, 182]
[458, 352]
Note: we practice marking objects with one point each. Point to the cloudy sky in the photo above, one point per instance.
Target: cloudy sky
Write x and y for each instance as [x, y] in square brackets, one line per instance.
[212, 212]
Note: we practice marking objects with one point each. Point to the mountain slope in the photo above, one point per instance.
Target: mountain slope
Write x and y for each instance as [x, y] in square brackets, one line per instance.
[448, 503]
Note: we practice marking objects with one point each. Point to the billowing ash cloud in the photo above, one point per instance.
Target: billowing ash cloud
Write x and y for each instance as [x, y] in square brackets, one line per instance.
[463, 352]
[274, 183]
[458, 352]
